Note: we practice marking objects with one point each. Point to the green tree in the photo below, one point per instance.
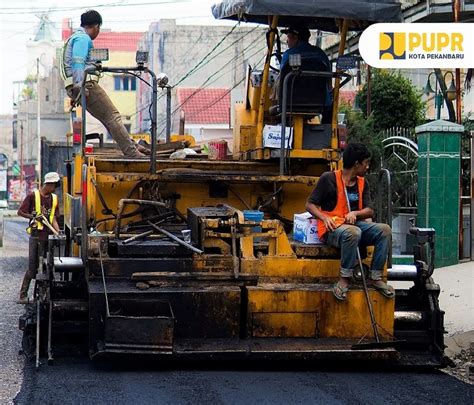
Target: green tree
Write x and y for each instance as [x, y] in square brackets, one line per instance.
[395, 102]
[28, 91]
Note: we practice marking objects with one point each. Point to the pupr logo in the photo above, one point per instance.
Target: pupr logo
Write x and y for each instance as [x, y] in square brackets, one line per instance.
[417, 45]
[392, 45]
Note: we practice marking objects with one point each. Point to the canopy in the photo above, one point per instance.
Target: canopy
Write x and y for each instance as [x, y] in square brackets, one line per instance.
[318, 14]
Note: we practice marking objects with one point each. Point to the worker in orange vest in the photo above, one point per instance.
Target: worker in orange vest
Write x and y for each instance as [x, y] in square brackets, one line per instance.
[40, 202]
[341, 203]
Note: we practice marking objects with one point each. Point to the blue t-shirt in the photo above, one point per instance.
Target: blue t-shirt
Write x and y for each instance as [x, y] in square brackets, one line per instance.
[308, 50]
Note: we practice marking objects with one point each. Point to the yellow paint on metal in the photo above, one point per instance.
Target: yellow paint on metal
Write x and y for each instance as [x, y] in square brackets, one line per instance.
[76, 185]
[284, 309]
[282, 325]
[244, 130]
[291, 267]
[342, 45]
[298, 121]
[185, 137]
[264, 91]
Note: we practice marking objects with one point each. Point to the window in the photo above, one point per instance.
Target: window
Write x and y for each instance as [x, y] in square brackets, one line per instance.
[125, 83]
[117, 83]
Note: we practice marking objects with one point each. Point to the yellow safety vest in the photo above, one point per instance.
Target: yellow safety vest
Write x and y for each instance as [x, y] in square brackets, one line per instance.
[54, 205]
[62, 68]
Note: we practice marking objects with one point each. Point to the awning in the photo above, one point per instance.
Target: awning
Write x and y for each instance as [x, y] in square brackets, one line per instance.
[318, 14]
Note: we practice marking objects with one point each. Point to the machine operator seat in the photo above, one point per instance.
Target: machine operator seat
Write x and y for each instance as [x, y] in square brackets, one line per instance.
[306, 94]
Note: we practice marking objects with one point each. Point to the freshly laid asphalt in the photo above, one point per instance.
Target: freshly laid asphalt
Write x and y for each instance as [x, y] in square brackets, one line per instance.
[77, 380]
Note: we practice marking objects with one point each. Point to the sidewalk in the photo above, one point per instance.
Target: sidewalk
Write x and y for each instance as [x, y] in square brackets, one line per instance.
[457, 296]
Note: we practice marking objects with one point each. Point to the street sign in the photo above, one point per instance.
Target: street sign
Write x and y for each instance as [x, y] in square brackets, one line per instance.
[346, 62]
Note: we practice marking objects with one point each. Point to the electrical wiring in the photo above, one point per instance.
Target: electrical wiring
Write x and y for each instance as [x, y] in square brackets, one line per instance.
[202, 62]
[214, 101]
[33, 10]
[219, 70]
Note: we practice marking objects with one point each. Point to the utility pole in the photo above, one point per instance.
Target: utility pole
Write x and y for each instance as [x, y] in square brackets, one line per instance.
[369, 90]
[21, 161]
[38, 121]
[457, 10]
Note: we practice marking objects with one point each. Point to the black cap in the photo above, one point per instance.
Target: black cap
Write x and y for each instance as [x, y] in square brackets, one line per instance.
[91, 17]
[302, 31]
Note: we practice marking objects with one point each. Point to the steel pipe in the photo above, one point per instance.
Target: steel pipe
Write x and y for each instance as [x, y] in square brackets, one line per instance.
[403, 272]
[175, 238]
[408, 316]
[62, 264]
[121, 206]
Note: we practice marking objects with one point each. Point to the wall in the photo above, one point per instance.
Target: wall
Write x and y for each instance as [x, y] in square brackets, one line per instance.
[177, 49]
[6, 136]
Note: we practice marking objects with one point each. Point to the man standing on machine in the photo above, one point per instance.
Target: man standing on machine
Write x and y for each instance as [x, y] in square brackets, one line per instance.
[75, 59]
[39, 207]
[341, 203]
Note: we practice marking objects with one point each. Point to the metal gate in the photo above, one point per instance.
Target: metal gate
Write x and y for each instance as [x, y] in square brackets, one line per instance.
[397, 186]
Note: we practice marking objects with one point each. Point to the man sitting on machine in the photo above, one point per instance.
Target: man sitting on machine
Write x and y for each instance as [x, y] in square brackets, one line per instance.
[298, 43]
[341, 203]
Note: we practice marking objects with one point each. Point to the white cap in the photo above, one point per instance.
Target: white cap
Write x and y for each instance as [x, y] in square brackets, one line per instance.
[51, 177]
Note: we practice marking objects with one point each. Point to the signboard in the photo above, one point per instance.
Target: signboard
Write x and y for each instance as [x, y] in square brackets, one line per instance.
[346, 62]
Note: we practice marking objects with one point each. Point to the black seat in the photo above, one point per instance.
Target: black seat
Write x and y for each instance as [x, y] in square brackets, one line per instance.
[306, 94]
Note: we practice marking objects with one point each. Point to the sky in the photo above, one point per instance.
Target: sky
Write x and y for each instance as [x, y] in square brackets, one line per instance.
[19, 22]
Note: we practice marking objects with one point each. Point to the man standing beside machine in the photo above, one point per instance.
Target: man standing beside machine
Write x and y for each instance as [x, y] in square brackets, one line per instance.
[41, 207]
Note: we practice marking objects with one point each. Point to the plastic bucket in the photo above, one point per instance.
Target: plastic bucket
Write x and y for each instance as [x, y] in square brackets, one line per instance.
[254, 216]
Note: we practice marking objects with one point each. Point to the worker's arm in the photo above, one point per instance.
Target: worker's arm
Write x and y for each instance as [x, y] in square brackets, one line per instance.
[26, 207]
[55, 224]
[315, 211]
[354, 216]
[324, 191]
[24, 214]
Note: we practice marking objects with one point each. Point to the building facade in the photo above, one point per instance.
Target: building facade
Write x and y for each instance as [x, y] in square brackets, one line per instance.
[197, 57]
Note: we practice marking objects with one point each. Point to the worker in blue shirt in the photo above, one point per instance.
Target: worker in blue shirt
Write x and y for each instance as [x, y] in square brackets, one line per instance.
[297, 37]
[75, 59]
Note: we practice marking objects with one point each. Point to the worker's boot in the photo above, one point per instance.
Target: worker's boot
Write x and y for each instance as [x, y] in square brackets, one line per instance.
[143, 149]
[25, 285]
[135, 155]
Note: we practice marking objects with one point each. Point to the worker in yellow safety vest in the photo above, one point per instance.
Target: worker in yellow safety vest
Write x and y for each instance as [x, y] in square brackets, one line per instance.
[40, 207]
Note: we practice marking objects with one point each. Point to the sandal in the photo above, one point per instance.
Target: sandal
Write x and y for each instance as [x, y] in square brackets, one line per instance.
[383, 288]
[340, 292]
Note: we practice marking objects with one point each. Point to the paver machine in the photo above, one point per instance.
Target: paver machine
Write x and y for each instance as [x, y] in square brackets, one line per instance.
[194, 258]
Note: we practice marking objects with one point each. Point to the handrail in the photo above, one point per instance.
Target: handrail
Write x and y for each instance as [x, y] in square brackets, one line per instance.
[287, 78]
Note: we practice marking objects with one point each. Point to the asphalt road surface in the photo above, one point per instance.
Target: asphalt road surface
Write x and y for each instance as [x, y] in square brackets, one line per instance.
[76, 380]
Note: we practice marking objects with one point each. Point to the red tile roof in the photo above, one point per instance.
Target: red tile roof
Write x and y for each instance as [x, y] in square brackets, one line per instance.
[113, 41]
[118, 41]
[347, 96]
[205, 106]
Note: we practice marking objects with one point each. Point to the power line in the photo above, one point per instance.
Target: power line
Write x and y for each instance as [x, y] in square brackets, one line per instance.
[214, 102]
[200, 64]
[29, 10]
[207, 83]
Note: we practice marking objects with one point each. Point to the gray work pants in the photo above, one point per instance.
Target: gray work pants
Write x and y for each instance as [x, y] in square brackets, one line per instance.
[100, 106]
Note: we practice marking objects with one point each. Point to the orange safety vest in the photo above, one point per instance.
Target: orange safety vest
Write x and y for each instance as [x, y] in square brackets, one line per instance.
[54, 205]
[341, 209]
